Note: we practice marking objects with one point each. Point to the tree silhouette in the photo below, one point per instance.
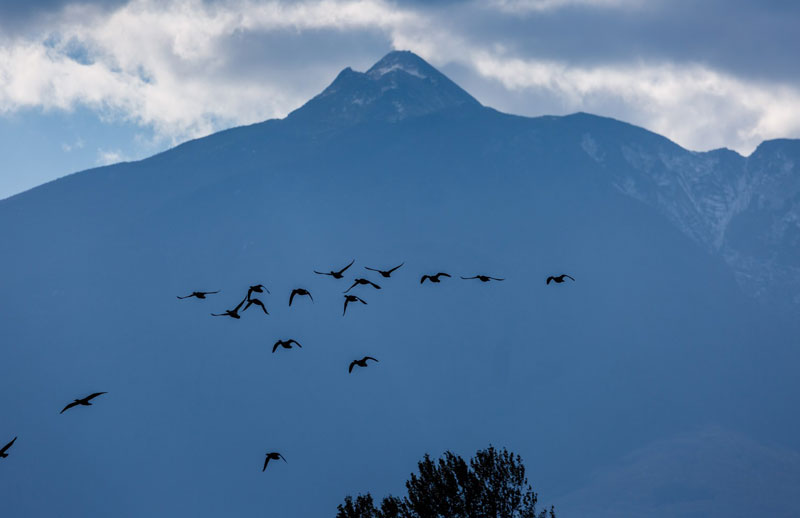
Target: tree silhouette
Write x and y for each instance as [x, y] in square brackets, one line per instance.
[491, 485]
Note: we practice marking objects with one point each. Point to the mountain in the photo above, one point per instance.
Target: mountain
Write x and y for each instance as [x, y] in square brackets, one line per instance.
[655, 338]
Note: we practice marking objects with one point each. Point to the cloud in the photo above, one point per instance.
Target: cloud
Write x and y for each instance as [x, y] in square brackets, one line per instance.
[108, 157]
[186, 68]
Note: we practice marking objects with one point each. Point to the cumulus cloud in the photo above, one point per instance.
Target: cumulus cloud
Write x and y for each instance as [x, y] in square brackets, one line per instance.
[110, 156]
[189, 67]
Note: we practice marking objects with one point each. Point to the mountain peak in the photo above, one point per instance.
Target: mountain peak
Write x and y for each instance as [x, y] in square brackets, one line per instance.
[399, 86]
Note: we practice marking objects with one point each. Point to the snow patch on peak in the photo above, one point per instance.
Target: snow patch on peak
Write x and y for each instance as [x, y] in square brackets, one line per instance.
[382, 71]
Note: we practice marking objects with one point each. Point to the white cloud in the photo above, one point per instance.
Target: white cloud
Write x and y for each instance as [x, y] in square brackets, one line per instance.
[108, 157]
[168, 66]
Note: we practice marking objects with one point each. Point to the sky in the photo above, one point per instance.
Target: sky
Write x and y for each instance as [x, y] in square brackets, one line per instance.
[90, 83]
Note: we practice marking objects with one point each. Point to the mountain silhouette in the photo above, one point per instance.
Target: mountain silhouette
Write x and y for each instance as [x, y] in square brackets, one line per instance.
[682, 317]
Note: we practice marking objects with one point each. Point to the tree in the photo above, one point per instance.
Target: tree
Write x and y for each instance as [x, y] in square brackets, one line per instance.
[491, 485]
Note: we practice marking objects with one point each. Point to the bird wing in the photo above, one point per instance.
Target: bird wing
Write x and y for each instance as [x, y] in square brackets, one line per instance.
[396, 267]
[266, 461]
[321, 273]
[240, 304]
[346, 267]
[361, 300]
[423, 278]
[568, 277]
[345, 306]
[374, 285]
[309, 296]
[292, 296]
[352, 363]
[68, 407]
[370, 358]
[209, 292]
[92, 396]
[351, 287]
[549, 279]
[281, 456]
[295, 342]
[186, 297]
[372, 269]
[275, 347]
[496, 279]
[442, 273]
[7, 446]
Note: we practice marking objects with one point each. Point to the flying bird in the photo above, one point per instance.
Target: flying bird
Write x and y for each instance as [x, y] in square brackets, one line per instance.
[199, 294]
[351, 298]
[558, 279]
[258, 288]
[273, 455]
[234, 313]
[484, 278]
[257, 302]
[336, 274]
[361, 363]
[362, 281]
[433, 278]
[300, 291]
[385, 273]
[286, 344]
[84, 401]
[5, 448]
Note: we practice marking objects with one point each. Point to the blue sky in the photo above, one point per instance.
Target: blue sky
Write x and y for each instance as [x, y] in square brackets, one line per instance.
[89, 83]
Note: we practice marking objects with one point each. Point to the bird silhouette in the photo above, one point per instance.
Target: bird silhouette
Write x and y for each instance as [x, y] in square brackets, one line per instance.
[483, 278]
[361, 363]
[273, 455]
[385, 273]
[84, 401]
[336, 274]
[351, 298]
[257, 302]
[286, 344]
[433, 278]
[558, 279]
[5, 448]
[300, 291]
[233, 313]
[362, 281]
[258, 288]
[199, 294]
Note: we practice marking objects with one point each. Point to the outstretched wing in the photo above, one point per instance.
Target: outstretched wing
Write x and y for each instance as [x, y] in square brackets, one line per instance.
[496, 279]
[352, 364]
[549, 279]
[74, 403]
[351, 287]
[291, 297]
[186, 297]
[346, 300]
[266, 461]
[370, 358]
[346, 267]
[309, 296]
[442, 274]
[275, 347]
[374, 285]
[568, 277]
[293, 341]
[423, 278]
[92, 396]
[209, 292]
[396, 267]
[7, 446]
[283, 459]
[239, 305]
[361, 300]
[374, 270]
[321, 273]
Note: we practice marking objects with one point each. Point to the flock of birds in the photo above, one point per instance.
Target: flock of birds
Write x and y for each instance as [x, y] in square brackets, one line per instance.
[249, 300]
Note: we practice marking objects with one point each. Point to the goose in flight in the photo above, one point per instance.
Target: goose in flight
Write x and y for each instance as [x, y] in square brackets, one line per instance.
[273, 455]
[233, 313]
[336, 274]
[258, 288]
[199, 294]
[351, 298]
[433, 278]
[300, 291]
[361, 363]
[85, 401]
[362, 281]
[286, 344]
[5, 448]
[385, 273]
[257, 302]
[483, 278]
[558, 279]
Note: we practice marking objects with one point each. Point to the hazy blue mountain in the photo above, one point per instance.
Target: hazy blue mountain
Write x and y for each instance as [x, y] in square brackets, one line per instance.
[655, 339]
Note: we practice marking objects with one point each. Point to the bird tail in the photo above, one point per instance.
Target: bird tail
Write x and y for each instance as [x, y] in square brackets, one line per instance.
[3, 455]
